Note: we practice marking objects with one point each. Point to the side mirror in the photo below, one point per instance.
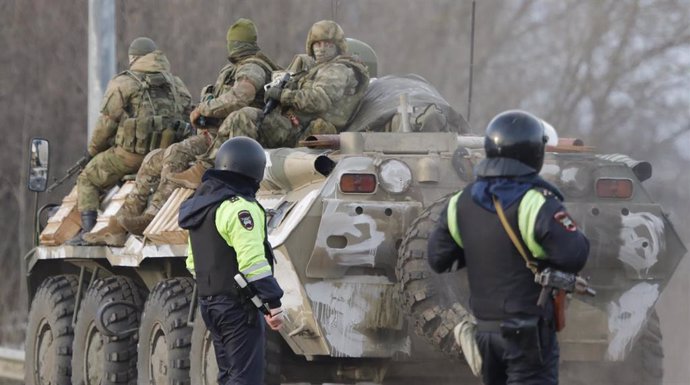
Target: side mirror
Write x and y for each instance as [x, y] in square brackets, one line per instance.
[38, 165]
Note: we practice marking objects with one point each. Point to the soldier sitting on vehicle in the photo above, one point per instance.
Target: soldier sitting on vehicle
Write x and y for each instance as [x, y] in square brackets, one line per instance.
[319, 99]
[140, 105]
[240, 83]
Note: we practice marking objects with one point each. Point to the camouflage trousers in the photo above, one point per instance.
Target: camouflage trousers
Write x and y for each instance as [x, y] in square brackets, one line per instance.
[103, 172]
[152, 179]
[276, 131]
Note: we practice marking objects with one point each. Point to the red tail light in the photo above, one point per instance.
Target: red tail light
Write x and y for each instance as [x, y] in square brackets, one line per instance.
[358, 183]
[614, 188]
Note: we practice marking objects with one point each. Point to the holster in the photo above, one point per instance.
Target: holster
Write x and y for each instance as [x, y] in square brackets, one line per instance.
[524, 334]
[250, 309]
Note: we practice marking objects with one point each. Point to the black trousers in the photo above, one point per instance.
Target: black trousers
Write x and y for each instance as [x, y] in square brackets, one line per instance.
[505, 363]
[239, 345]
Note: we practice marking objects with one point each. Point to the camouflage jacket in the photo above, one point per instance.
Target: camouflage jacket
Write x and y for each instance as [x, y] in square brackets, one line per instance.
[136, 94]
[330, 91]
[238, 85]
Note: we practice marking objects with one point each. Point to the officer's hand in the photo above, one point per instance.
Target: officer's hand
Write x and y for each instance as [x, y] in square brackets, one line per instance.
[194, 117]
[273, 93]
[275, 319]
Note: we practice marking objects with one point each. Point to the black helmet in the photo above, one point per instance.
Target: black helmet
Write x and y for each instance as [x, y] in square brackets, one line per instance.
[242, 155]
[517, 135]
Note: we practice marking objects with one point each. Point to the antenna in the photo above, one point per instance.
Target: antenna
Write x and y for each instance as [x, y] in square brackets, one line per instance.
[469, 92]
[334, 10]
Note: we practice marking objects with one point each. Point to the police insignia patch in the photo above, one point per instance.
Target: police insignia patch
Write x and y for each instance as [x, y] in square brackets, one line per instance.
[246, 219]
[564, 219]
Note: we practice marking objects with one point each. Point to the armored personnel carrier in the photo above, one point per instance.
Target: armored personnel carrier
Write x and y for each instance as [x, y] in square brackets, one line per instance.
[349, 220]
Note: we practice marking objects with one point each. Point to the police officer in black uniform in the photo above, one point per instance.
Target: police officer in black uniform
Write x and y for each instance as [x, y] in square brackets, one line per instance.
[516, 338]
[227, 236]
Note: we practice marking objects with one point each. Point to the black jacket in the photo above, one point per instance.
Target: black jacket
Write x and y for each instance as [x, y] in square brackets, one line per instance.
[500, 283]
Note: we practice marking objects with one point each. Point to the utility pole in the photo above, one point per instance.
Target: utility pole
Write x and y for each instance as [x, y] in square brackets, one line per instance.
[102, 56]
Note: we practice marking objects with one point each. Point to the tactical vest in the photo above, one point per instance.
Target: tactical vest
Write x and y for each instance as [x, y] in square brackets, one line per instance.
[500, 284]
[215, 262]
[340, 114]
[226, 78]
[153, 111]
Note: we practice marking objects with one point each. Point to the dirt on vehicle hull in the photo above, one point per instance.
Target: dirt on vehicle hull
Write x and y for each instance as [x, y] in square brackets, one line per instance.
[349, 218]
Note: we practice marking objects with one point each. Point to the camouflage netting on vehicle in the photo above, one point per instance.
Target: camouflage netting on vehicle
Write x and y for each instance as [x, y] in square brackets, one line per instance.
[381, 103]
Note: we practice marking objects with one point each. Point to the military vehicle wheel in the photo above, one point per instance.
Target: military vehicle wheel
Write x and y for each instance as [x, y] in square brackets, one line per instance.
[643, 366]
[203, 365]
[99, 359]
[430, 301]
[49, 333]
[164, 337]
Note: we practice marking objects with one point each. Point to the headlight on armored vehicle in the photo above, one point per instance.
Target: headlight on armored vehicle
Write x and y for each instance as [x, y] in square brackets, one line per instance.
[395, 176]
[358, 183]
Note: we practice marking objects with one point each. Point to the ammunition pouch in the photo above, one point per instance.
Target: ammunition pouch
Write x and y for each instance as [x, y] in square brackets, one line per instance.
[524, 338]
[148, 134]
[126, 134]
[144, 134]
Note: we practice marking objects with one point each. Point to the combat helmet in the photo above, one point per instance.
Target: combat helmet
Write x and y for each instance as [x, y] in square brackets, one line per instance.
[242, 155]
[518, 135]
[365, 53]
[141, 46]
[326, 30]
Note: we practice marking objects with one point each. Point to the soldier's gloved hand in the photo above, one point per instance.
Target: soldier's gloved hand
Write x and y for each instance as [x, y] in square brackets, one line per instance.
[273, 93]
[275, 319]
[194, 117]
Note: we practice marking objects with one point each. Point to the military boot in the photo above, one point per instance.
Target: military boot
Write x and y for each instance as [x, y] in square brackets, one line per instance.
[112, 235]
[189, 178]
[88, 221]
[135, 224]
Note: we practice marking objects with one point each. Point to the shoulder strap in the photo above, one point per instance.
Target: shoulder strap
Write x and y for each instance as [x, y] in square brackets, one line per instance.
[513, 237]
[143, 85]
[359, 68]
[268, 67]
[170, 79]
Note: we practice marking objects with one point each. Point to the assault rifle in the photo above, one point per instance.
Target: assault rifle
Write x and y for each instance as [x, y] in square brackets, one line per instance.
[551, 280]
[77, 167]
[557, 283]
[271, 104]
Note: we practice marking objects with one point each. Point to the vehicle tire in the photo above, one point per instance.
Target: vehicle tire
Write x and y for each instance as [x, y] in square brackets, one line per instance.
[643, 366]
[99, 359]
[49, 332]
[164, 337]
[433, 303]
[204, 368]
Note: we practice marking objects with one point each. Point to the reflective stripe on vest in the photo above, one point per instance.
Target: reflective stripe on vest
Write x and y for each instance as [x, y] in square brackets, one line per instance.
[528, 211]
[453, 218]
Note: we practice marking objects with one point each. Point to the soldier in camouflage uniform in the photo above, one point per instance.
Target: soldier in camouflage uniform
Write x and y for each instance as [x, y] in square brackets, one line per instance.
[141, 107]
[239, 84]
[323, 93]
